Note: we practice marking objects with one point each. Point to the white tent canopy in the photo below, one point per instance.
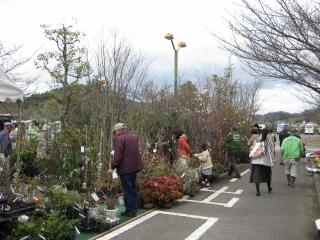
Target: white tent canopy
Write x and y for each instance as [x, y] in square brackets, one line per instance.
[9, 89]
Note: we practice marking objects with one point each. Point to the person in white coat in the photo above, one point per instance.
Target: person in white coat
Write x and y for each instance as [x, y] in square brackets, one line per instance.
[206, 165]
[261, 166]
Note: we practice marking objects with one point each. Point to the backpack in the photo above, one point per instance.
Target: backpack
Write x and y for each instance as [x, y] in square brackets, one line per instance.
[234, 141]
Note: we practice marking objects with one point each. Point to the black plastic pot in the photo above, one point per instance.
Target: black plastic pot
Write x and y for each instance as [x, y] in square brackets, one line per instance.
[18, 211]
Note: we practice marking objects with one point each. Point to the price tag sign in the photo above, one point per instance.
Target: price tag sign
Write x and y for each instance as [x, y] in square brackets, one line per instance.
[95, 197]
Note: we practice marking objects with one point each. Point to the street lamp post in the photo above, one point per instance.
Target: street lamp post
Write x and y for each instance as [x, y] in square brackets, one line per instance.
[170, 37]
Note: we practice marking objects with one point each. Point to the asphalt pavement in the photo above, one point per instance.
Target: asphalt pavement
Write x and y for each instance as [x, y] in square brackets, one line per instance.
[231, 210]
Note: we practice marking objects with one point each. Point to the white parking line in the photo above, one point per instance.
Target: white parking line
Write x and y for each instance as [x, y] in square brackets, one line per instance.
[239, 191]
[232, 202]
[229, 204]
[214, 195]
[210, 221]
[202, 229]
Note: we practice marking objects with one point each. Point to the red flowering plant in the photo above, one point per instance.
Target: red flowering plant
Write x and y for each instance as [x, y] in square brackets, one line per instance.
[163, 189]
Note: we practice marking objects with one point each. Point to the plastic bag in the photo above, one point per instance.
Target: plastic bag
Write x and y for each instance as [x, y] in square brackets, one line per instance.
[258, 150]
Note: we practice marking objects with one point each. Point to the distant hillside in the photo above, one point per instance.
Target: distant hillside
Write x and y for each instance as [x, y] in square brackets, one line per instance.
[308, 115]
[44, 106]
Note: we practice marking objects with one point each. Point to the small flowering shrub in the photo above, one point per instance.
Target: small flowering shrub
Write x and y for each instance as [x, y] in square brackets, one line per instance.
[163, 189]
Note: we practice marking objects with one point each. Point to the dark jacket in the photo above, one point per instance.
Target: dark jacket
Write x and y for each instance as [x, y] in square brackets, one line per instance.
[5, 143]
[282, 136]
[127, 158]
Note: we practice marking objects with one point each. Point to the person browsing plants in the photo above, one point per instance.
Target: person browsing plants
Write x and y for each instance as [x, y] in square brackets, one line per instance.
[127, 161]
[5, 146]
[206, 165]
[184, 150]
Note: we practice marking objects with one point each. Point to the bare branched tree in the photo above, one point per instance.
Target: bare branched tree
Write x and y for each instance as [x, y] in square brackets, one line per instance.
[125, 70]
[9, 61]
[279, 40]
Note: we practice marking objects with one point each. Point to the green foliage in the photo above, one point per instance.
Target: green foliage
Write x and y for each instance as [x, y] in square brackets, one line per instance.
[67, 56]
[51, 226]
[153, 123]
[64, 153]
[218, 168]
[66, 65]
[244, 154]
[63, 200]
[28, 161]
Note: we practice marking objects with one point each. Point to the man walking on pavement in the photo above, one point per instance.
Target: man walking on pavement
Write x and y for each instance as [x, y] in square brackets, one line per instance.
[233, 143]
[283, 134]
[127, 160]
[291, 151]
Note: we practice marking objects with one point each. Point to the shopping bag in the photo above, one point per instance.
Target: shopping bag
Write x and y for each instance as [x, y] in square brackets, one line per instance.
[258, 150]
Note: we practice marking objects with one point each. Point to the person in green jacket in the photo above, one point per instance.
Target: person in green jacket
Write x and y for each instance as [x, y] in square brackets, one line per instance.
[291, 151]
[233, 143]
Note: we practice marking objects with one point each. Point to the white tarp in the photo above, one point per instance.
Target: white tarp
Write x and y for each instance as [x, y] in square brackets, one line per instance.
[9, 89]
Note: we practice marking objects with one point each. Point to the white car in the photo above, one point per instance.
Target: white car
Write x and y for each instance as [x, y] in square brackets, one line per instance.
[309, 128]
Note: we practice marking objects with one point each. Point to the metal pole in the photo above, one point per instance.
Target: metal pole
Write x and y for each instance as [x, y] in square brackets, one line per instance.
[19, 138]
[175, 72]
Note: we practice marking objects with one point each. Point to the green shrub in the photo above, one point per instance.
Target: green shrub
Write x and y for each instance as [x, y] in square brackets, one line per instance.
[63, 200]
[28, 161]
[218, 168]
[51, 226]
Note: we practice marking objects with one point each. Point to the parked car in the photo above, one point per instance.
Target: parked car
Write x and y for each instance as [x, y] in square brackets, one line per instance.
[262, 125]
[309, 128]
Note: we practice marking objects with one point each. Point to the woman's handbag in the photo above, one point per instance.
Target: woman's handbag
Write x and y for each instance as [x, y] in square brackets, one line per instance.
[258, 150]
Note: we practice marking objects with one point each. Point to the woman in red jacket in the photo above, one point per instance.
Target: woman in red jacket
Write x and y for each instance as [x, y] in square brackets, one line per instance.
[184, 150]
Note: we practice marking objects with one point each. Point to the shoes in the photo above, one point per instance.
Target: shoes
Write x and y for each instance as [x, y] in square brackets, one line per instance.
[238, 176]
[128, 214]
[269, 190]
[258, 194]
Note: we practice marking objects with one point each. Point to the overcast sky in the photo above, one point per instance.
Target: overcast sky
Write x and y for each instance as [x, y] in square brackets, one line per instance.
[143, 23]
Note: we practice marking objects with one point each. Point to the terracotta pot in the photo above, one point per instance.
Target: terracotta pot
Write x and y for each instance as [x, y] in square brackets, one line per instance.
[168, 205]
[145, 197]
[148, 206]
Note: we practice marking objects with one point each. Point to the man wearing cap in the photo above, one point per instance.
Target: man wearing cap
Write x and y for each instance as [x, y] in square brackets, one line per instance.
[128, 162]
[5, 146]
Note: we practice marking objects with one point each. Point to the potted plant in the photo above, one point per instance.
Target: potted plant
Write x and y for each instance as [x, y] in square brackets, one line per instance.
[49, 226]
[63, 200]
[147, 201]
[163, 190]
[111, 200]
